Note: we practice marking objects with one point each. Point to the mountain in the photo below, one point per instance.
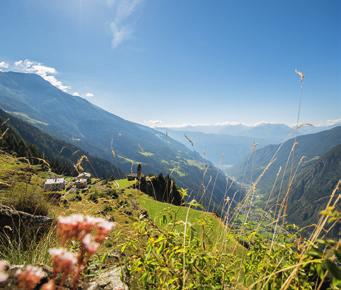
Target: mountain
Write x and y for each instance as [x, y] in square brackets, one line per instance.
[27, 141]
[223, 150]
[312, 188]
[269, 133]
[104, 135]
[311, 146]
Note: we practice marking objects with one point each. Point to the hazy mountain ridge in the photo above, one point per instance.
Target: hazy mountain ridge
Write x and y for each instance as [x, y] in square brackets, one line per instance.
[228, 145]
[310, 146]
[221, 149]
[270, 133]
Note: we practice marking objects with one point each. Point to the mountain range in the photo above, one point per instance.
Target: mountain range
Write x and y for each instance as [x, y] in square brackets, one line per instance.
[222, 149]
[104, 135]
[313, 164]
[270, 133]
[229, 144]
[311, 146]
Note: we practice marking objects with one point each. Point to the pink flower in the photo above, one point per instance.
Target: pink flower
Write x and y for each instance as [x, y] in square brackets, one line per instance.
[103, 230]
[76, 227]
[51, 285]
[62, 260]
[3, 269]
[29, 277]
[90, 244]
[72, 227]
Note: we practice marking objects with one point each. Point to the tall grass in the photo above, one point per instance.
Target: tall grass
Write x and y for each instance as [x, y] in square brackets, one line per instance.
[27, 248]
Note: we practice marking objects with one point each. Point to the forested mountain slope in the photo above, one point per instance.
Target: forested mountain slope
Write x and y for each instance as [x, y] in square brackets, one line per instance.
[312, 188]
[25, 140]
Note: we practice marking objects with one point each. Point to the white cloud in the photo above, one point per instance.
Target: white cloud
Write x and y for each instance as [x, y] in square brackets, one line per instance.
[46, 72]
[3, 65]
[153, 123]
[89, 95]
[76, 94]
[333, 122]
[119, 34]
[121, 27]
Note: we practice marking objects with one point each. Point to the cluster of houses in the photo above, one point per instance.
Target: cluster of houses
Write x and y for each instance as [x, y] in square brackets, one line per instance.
[83, 179]
[58, 184]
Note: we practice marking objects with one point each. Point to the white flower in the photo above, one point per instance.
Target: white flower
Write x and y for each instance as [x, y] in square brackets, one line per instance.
[90, 244]
[63, 254]
[3, 277]
[72, 219]
[32, 270]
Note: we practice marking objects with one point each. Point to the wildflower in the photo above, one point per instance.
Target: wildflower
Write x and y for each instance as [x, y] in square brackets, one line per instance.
[90, 244]
[68, 227]
[29, 277]
[103, 229]
[3, 269]
[51, 285]
[62, 260]
[78, 226]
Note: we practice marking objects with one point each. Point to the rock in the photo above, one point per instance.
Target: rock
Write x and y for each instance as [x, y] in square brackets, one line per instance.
[109, 280]
[13, 221]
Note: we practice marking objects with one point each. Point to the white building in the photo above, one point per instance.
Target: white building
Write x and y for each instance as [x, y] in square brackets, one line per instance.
[54, 184]
[84, 175]
[81, 183]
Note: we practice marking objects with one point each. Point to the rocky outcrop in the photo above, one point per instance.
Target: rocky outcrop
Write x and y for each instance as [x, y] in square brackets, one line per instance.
[109, 280]
[13, 221]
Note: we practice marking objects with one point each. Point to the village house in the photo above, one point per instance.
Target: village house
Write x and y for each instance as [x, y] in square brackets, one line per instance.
[54, 184]
[136, 176]
[84, 175]
[81, 183]
[132, 176]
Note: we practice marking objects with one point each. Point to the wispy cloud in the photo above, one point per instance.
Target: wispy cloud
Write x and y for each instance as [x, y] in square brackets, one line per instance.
[3, 65]
[122, 26]
[334, 122]
[153, 123]
[46, 72]
[89, 95]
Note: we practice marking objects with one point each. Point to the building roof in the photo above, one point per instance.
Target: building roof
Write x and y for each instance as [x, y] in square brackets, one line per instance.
[54, 181]
[84, 174]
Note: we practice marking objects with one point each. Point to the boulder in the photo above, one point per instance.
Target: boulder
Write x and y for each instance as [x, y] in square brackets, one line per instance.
[13, 221]
[109, 280]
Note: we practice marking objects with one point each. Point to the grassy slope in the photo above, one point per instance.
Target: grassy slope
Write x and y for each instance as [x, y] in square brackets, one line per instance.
[115, 200]
[213, 227]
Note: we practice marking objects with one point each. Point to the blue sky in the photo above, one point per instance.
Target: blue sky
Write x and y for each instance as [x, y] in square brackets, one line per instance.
[183, 62]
